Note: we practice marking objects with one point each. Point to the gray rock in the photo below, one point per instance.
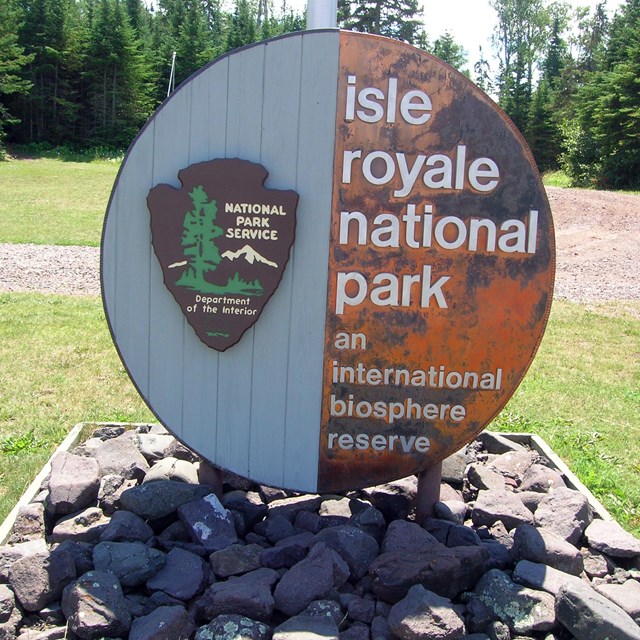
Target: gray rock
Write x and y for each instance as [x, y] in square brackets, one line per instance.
[610, 538]
[55, 633]
[514, 464]
[446, 571]
[402, 535]
[590, 616]
[538, 544]
[208, 523]
[394, 500]
[81, 552]
[111, 488]
[290, 507]
[11, 553]
[307, 628]
[235, 560]
[172, 469]
[7, 603]
[233, 627]
[485, 479]
[451, 510]
[453, 467]
[120, 456]
[565, 512]
[154, 446]
[361, 610]
[541, 479]
[371, 521]
[125, 526]
[95, 607]
[183, 575]
[133, 563]
[29, 523]
[357, 631]
[249, 504]
[275, 527]
[357, 548]
[73, 483]
[165, 623]
[595, 564]
[282, 557]
[248, 595]
[85, 526]
[503, 506]
[329, 608]
[162, 498]
[424, 615]
[523, 610]
[531, 499]
[451, 534]
[380, 629]
[626, 596]
[498, 631]
[477, 616]
[39, 579]
[311, 579]
[338, 506]
[496, 443]
[541, 576]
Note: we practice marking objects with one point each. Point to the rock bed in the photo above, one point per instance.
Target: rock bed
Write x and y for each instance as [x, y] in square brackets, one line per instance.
[128, 540]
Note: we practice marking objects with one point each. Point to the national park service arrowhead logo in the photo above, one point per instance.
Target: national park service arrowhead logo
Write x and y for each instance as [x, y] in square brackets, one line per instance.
[223, 241]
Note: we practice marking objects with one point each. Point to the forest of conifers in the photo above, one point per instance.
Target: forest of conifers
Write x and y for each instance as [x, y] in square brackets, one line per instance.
[88, 73]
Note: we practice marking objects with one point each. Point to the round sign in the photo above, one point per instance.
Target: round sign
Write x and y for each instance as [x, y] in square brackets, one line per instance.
[327, 261]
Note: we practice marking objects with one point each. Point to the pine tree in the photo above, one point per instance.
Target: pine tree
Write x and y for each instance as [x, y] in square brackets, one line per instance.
[543, 132]
[243, 28]
[397, 19]
[446, 48]
[12, 60]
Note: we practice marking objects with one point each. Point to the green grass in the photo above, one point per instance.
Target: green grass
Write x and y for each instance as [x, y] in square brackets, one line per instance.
[58, 367]
[54, 201]
[582, 395]
[556, 179]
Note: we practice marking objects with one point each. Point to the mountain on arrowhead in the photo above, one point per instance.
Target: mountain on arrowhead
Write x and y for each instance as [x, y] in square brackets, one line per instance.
[249, 254]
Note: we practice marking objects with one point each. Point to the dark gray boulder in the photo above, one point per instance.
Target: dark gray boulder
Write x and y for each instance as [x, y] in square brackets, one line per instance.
[125, 526]
[235, 560]
[120, 456]
[183, 575]
[504, 506]
[565, 512]
[95, 607]
[133, 563]
[85, 526]
[424, 615]
[208, 523]
[310, 579]
[524, 610]
[164, 623]
[233, 627]
[73, 483]
[610, 538]
[39, 579]
[162, 498]
[356, 547]
[538, 544]
[590, 616]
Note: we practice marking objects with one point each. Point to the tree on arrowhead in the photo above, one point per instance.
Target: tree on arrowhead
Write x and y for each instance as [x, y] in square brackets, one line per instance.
[198, 236]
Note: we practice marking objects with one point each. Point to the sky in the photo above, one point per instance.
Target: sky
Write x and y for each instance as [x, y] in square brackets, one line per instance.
[470, 22]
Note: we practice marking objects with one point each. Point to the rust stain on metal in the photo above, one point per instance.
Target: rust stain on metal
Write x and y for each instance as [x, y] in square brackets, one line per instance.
[417, 323]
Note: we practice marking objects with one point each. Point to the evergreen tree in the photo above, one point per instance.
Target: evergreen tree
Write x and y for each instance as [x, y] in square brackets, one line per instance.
[12, 60]
[543, 132]
[482, 71]
[193, 46]
[243, 28]
[399, 19]
[446, 48]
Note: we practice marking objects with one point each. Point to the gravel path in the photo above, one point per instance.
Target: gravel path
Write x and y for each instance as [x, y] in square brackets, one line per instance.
[597, 238]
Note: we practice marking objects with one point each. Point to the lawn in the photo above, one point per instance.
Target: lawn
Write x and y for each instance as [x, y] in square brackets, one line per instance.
[52, 201]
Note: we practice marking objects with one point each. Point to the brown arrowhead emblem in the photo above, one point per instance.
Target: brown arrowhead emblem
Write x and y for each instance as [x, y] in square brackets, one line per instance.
[223, 241]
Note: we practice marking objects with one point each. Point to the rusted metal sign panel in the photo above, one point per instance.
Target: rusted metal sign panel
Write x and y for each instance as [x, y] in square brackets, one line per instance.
[440, 269]
[414, 295]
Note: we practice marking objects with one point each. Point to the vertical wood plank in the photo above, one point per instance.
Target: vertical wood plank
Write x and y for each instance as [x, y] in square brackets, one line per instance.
[279, 154]
[166, 321]
[243, 139]
[320, 53]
